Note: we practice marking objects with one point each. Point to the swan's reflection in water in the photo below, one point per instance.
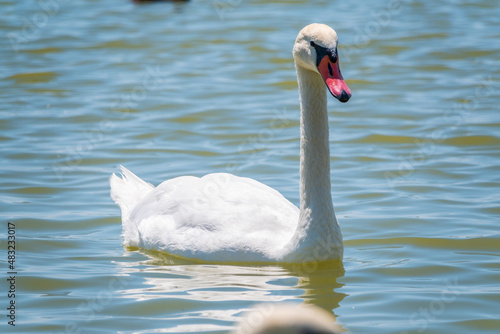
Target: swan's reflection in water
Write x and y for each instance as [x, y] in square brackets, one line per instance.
[194, 296]
[319, 283]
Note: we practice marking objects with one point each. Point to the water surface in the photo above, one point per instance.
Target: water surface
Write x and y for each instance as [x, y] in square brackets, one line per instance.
[170, 89]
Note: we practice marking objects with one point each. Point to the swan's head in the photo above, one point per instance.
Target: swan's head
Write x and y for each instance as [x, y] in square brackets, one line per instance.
[316, 50]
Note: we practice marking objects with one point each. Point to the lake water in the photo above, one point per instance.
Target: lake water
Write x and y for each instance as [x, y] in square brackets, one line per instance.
[171, 89]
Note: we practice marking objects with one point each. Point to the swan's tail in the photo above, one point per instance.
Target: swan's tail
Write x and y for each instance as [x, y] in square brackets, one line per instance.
[127, 191]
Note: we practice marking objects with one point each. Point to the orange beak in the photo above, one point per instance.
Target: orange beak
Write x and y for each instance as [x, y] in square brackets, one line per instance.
[330, 71]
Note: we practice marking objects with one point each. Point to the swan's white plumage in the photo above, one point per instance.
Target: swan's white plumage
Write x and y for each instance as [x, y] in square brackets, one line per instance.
[225, 218]
[128, 190]
[209, 218]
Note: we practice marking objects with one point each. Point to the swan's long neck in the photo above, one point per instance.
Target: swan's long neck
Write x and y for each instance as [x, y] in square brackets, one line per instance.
[315, 191]
[318, 235]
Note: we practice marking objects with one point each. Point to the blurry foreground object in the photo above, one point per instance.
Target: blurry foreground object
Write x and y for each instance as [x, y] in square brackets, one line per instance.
[288, 319]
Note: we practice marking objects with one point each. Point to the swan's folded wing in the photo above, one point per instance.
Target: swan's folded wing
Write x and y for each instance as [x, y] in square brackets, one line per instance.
[219, 216]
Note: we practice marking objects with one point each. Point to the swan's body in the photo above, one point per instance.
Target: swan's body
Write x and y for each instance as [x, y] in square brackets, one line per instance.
[225, 218]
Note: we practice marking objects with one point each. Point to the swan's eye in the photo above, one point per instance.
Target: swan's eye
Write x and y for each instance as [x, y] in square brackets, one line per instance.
[312, 43]
[333, 57]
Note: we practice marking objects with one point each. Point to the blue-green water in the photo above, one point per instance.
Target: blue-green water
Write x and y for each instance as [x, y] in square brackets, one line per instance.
[194, 87]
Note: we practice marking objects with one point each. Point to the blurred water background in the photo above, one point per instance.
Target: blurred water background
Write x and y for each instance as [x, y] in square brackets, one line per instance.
[177, 88]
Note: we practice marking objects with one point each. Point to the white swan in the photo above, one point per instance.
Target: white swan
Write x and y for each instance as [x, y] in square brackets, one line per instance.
[225, 218]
